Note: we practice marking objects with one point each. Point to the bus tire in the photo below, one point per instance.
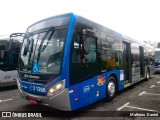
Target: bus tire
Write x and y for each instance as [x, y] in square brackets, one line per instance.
[147, 75]
[111, 88]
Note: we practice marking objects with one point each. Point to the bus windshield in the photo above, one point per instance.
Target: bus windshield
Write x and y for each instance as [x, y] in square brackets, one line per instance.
[44, 48]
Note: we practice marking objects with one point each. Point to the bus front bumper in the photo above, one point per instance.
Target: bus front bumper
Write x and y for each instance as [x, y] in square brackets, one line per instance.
[59, 101]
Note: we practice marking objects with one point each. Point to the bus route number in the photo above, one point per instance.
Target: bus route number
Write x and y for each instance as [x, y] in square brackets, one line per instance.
[37, 89]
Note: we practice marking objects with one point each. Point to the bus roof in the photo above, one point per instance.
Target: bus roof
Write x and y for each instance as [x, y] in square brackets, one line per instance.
[96, 25]
[49, 18]
[7, 38]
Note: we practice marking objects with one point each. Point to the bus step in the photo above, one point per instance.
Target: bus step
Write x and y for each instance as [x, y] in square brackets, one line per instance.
[142, 78]
[126, 85]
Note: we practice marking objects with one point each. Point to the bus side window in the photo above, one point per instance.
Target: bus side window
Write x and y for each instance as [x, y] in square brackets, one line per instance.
[91, 56]
[76, 49]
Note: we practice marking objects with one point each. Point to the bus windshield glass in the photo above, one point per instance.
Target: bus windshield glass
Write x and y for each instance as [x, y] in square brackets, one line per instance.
[44, 48]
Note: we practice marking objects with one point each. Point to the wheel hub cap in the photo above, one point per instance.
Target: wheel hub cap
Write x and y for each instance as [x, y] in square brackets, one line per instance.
[111, 88]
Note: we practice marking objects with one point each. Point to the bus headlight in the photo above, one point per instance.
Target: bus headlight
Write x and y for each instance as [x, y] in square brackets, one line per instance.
[56, 88]
[59, 86]
[51, 90]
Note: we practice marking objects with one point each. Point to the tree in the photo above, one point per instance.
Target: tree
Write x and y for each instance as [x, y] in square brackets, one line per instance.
[158, 45]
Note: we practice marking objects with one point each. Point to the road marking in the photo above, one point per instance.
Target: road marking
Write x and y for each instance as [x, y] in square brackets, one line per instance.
[120, 108]
[6, 100]
[158, 82]
[152, 93]
[126, 105]
[142, 93]
[140, 108]
[156, 86]
[152, 86]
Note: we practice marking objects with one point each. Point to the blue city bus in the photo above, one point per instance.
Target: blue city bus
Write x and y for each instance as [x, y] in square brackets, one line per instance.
[68, 62]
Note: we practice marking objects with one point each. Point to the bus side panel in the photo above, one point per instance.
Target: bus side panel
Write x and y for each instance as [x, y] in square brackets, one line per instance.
[87, 92]
[92, 90]
[120, 77]
[74, 96]
[97, 91]
[8, 78]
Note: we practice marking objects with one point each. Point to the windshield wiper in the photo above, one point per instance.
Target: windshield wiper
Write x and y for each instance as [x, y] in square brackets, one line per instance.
[31, 50]
[40, 49]
[45, 36]
[27, 46]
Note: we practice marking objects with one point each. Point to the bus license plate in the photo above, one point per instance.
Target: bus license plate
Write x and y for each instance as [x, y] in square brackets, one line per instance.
[32, 101]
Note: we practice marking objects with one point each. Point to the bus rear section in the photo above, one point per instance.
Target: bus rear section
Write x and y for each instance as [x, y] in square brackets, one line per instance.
[68, 62]
[9, 53]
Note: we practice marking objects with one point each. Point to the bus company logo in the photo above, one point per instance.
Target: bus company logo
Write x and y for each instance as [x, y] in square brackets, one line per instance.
[101, 80]
[86, 89]
[31, 76]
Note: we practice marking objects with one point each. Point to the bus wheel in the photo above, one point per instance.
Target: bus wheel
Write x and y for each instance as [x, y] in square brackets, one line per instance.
[111, 88]
[147, 75]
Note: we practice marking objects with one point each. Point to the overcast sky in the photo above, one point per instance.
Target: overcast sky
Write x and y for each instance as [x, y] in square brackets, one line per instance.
[138, 19]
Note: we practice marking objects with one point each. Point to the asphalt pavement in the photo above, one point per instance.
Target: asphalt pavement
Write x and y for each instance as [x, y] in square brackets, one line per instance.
[140, 101]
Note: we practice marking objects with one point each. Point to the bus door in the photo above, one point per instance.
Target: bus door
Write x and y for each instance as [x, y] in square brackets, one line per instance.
[135, 61]
[142, 68]
[84, 66]
[127, 62]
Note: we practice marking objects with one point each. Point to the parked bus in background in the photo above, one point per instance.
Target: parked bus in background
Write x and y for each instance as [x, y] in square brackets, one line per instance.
[68, 62]
[9, 53]
[157, 59]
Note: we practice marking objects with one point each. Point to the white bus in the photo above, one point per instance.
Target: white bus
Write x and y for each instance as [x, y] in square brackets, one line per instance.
[9, 53]
[157, 59]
